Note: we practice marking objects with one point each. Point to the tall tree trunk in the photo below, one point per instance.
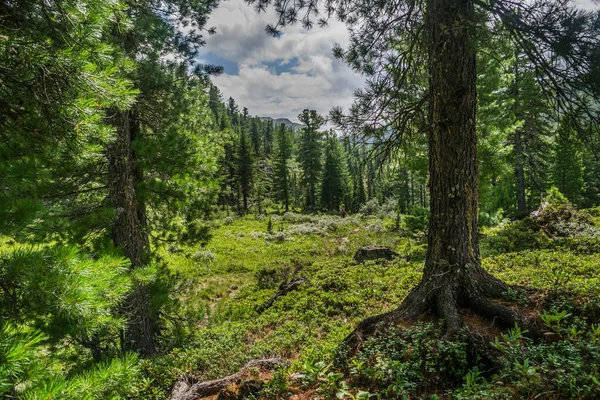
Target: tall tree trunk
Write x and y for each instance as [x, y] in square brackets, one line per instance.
[138, 179]
[127, 232]
[453, 244]
[453, 276]
[126, 228]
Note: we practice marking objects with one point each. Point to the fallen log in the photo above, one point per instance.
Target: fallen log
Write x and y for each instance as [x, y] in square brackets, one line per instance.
[284, 288]
[186, 389]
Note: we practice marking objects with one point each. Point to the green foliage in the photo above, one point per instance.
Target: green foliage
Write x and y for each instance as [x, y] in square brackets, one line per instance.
[55, 293]
[568, 165]
[401, 361]
[417, 220]
[309, 154]
[334, 178]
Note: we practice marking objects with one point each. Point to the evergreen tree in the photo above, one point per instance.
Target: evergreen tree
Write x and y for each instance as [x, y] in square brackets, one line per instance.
[333, 180]
[391, 42]
[233, 112]
[245, 167]
[515, 122]
[215, 102]
[255, 135]
[309, 154]
[268, 138]
[568, 164]
[283, 154]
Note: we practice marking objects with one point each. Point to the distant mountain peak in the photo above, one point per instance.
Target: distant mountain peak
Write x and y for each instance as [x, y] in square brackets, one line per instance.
[286, 121]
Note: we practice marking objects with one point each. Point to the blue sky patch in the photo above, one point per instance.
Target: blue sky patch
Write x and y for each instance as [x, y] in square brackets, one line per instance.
[279, 66]
[229, 67]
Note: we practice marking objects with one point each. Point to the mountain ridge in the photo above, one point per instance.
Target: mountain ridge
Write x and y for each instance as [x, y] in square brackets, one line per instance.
[286, 121]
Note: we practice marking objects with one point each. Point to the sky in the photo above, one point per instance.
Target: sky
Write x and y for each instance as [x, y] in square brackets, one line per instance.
[280, 77]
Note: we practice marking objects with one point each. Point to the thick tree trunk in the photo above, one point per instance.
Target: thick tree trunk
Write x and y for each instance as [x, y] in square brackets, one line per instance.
[453, 276]
[453, 248]
[127, 232]
[126, 227]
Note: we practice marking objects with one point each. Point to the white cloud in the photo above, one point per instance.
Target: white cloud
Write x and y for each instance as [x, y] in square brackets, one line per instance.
[316, 79]
[588, 4]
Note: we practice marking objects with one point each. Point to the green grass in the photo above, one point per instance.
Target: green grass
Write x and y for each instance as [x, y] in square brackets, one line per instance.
[222, 296]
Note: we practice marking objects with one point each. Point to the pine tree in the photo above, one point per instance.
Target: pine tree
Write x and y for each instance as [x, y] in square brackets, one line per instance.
[215, 101]
[399, 43]
[233, 112]
[334, 178]
[255, 136]
[283, 154]
[268, 138]
[568, 164]
[245, 167]
[309, 154]
[153, 37]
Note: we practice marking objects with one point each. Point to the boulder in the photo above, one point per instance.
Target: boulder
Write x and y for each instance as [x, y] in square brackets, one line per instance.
[374, 253]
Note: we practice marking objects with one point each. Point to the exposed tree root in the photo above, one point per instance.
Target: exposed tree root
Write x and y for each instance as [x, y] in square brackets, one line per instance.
[187, 389]
[443, 295]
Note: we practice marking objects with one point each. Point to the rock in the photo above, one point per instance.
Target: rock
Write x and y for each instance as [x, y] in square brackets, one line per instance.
[249, 388]
[374, 253]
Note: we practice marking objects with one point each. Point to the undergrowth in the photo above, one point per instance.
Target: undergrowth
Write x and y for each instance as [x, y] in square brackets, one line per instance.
[227, 282]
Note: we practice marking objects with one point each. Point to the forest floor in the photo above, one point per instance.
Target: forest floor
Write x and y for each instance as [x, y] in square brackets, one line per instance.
[223, 318]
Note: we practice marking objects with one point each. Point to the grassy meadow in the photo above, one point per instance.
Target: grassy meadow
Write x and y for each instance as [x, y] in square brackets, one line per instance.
[221, 322]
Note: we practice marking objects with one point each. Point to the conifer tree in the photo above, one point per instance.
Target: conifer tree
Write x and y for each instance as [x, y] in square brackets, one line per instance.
[215, 100]
[268, 138]
[233, 111]
[394, 43]
[333, 180]
[282, 156]
[309, 154]
[255, 136]
[245, 167]
[568, 171]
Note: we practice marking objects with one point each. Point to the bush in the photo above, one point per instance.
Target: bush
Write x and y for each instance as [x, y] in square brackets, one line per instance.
[305, 229]
[389, 208]
[204, 255]
[515, 236]
[371, 207]
[404, 364]
[270, 277]
[417, 220]
[556, 216]
[277, 237]
[297, 218]
[375, 227]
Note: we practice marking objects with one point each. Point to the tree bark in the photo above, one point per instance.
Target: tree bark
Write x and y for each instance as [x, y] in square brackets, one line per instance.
[126, 228]
[453, 276]
[453, 243]
[127, 232]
